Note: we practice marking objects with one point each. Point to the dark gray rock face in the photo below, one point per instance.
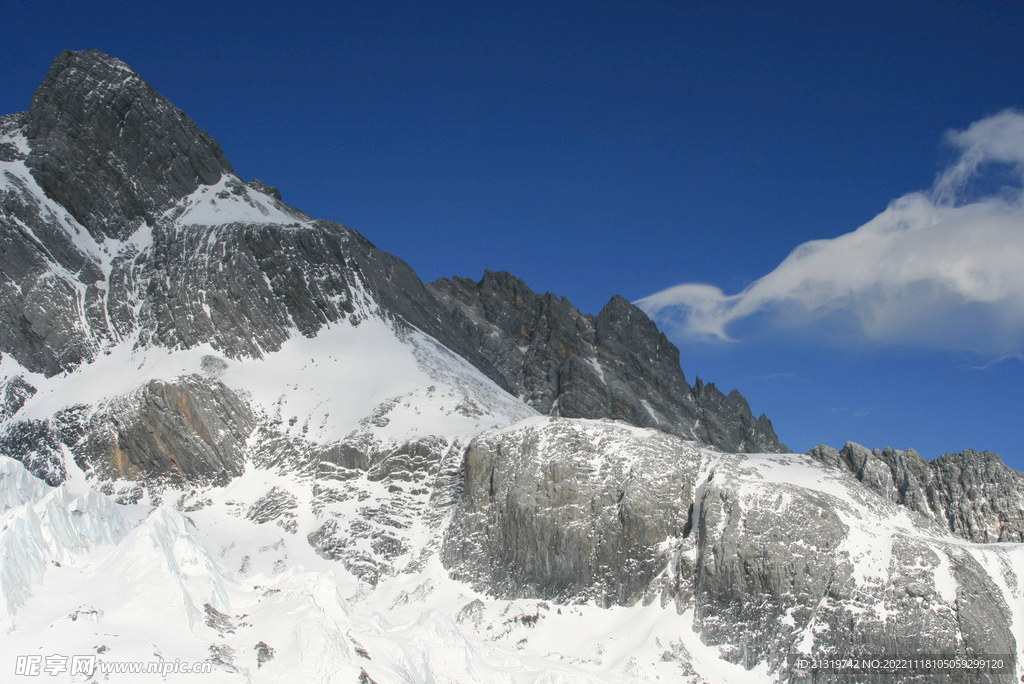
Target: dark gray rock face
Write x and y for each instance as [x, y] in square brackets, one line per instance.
[13, 394]
[245, 287]
[192, 429]
[727, 419]
[10, 123]
[112, 150]
[974, 495]
[48, 288]
[776, 556]
[616, 365]
[774, 580]
[566, 510]
[37, 444]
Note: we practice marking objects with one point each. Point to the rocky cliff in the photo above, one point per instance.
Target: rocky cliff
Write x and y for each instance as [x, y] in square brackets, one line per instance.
[269, 437]
[776, 556]
[614, 365]
[123, 223]
[973, 494]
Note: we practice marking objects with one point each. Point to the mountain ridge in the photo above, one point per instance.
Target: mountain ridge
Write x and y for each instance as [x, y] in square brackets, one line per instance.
[273, 440]
[184, 266]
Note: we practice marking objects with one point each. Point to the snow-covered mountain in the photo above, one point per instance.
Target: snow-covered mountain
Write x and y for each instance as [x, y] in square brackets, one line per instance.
[237, 435]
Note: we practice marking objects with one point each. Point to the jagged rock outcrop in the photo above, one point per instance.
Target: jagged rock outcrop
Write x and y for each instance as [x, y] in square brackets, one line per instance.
[422, 481]
[14, 391]
[48, 286]
[972, 494]
[614, 365]
[191, 429]
[277, 504]
[110, 149]
[727, 419]
[37, 444]
[780, 569]
[777, 556]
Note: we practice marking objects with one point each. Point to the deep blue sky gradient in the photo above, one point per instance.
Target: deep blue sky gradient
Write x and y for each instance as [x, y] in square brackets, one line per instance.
[595, 148]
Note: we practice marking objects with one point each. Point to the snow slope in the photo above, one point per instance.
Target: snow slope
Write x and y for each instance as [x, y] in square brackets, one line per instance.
[197, 579]
[159, 585]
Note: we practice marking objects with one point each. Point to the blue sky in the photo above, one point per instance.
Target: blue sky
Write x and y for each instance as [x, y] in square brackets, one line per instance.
[595, 148]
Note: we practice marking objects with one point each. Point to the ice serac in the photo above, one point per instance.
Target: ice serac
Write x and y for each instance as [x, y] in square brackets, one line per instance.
[42, 527]
[614, 365]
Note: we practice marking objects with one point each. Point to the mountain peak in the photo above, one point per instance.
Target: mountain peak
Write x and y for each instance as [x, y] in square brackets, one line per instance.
[91, 61]
[112, 150]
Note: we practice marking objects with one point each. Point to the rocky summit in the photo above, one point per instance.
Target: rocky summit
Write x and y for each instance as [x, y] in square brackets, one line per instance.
[235, 435]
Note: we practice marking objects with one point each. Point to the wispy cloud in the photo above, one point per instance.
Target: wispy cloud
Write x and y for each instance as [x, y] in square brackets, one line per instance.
[996, 361]
[942, 268]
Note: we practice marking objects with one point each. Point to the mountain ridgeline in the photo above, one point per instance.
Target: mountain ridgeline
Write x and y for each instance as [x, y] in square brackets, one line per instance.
[118, 159]
[200, 356]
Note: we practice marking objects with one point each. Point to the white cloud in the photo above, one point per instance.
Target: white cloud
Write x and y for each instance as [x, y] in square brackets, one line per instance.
[938, 268]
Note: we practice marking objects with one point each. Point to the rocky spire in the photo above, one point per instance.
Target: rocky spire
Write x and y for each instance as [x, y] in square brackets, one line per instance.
[112, 150]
